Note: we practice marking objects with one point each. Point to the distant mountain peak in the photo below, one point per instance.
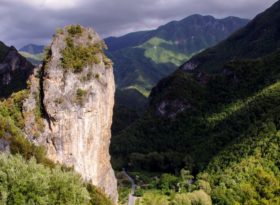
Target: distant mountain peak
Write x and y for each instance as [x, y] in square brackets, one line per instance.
[259, 37]
[198, 16]
[32, 48]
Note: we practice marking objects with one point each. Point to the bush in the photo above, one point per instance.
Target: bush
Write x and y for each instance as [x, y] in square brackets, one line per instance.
[200, 197]
[197, 197]
[39, 113]
[168, 182]
[11, 125]
[138, 192]
[59, 31]
[77, 57]
[80, 96]
[97, 196]
[75, 30]
[181, 199]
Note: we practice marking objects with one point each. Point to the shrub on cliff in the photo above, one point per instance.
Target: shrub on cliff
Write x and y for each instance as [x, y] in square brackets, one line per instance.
[76, 57]
[80, 96]
[75, 30]
[11, 125]
[97, 196]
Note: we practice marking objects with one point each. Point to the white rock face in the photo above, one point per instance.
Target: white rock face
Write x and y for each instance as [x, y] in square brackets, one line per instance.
[78, 126]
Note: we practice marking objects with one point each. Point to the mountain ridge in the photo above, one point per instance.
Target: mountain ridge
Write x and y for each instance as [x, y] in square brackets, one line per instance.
[163, 49]
[144, 34]
[32, 48]
[268, 32]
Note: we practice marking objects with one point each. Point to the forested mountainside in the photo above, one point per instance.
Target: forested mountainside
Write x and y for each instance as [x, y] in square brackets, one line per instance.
[217, 116]
[143, 58]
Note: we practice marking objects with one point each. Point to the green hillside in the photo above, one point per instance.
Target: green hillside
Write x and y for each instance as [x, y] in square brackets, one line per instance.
[33, 53]
[221, 123]
[35, 59]
[141, 59]
[130, 105]
[32, 49]
[162, 51]
[143, 76]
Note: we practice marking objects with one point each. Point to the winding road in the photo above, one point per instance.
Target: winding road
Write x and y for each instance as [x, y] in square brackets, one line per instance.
[131, 198]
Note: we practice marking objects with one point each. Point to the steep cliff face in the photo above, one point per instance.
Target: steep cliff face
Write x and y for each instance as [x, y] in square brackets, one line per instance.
[75, 95]
[14, 70]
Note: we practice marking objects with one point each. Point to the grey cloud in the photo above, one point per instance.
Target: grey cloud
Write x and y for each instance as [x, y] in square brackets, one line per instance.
[22, 23]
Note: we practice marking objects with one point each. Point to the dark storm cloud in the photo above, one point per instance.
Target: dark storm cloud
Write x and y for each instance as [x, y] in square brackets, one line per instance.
[34, 21]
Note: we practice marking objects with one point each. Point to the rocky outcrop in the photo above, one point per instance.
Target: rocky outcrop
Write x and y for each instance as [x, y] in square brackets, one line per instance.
[76, 101]
[171, 108]
[14, 70]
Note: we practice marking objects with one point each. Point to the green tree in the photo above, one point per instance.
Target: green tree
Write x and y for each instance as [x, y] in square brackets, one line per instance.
[186, 179]
[168, 182]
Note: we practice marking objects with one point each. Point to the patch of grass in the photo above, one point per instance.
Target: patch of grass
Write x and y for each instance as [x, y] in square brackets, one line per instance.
[107, 61]
[38, 113]
[97, 76]
[97, 196]
[11, 125]
[80, 95]
[89, 76]
[59, 100]
[12, 107]
[162, 51]
[76, 57]
[59, 31]
[123, 195]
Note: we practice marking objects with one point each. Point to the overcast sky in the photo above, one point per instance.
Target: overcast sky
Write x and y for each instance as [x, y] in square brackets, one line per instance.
[34, 21]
